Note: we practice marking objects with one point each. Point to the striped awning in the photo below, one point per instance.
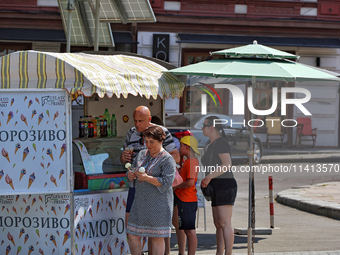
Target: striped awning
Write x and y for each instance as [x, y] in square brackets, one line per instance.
[88, 74]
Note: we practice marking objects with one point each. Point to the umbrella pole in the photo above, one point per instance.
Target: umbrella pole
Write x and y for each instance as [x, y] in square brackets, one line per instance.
[251, 205]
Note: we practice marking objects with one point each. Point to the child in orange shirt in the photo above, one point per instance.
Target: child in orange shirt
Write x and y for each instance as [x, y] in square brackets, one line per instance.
[185, 206]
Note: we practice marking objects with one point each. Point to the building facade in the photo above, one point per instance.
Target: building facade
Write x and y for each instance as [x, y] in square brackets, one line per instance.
[187, 30]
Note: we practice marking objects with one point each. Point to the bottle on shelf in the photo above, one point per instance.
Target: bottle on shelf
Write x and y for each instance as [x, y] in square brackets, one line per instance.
[81, 127]
[113, 126]
[94, 126]
[98, 127]
[103, 126]
[91, 126]
[108, 121]
[86, 127]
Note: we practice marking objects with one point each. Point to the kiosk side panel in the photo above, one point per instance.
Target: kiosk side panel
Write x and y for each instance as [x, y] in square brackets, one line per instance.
[100, 223]
[34, 141]
[38, 223]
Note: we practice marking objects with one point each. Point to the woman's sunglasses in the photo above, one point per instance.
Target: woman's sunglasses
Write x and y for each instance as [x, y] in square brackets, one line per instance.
[206, 125]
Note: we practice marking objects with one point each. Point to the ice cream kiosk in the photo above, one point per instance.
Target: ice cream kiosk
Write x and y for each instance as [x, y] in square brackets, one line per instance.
[60, 194]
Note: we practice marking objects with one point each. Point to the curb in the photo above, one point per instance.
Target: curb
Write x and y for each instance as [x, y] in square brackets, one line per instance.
[292, 198]
[314, 158]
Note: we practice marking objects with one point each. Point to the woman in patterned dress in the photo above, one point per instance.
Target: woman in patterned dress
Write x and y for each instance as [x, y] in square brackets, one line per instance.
[152, 208]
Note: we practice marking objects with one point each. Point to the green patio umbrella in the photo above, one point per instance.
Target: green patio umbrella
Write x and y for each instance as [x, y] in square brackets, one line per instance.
[253, 62]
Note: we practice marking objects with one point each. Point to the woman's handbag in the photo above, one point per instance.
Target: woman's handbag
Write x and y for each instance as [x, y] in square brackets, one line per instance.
[208, 192]
[178, 179]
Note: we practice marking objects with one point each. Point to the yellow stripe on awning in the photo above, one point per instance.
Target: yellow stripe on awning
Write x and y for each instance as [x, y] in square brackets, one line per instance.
[87, 74]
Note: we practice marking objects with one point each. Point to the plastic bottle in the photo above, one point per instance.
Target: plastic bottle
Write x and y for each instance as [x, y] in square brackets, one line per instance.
[103, 126]
[108, 121]
[94, 126]
[113, 126]
[86, 127]
[98, 127]
[81, 127]
[91, 126]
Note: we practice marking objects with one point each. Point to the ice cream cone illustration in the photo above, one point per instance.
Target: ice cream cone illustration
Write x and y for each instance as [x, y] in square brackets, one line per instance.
[41, 208]
[76, 215]
[110, 205]
[10, 237]
[30, 103]
[48, 165]
[25, 98]
[37, 100]
[34, 147]
[122, 247]
[31, 180]
[98, 204]
[58, 233]
[83, 249]
[25, 153]
[1, 174]
[100, 246]
[91, 251]
[144, 241]
[67, 251]
[67, 235]
[124, 202]
[22, 173]
[116, 242]
[117, 201]
[18, 250]
[26, 238]
[22, 231]
[56, 115]
[61, 173]
[49, 152]
[52, 238]
[33, 201]
[67, 207]
[41, 251]
[109, 249]
[12, 101]
[84, 225]
[30, 249]
[48, 113]
[90, 211]
[78, 227]
[14, 210]
[23, 118]
[41, 116]
[9, 116]
[42, 165]
[37, 231]
[5, 154]
[62, 151]
[27, 209]
[9, 181]
[53, 179]
[53, 210]
[34, 112]
[53, 250]
[8, 249]
[17, 147]
[17, 197]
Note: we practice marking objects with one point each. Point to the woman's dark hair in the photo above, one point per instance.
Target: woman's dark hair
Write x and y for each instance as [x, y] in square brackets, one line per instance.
[218, 126]
[155, 132]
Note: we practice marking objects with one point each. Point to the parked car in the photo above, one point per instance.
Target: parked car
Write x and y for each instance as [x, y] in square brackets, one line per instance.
[238, 136]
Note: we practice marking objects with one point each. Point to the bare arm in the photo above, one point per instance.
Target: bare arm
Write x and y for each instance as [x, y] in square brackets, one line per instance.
[175, 155]
[226, 164]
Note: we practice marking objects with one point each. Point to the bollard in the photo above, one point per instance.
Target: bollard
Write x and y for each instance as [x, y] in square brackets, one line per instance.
[271, 201]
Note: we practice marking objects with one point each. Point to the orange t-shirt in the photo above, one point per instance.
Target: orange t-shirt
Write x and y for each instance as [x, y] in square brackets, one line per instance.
[187, 171]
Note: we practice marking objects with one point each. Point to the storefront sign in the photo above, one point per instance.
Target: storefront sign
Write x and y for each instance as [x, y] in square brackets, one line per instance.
[161, 46]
